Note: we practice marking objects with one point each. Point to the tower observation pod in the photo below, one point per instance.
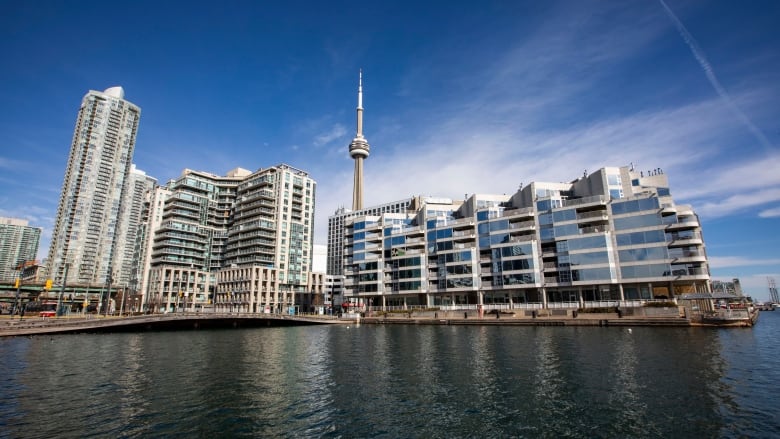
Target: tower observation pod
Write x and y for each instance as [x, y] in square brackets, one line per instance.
[359, 150]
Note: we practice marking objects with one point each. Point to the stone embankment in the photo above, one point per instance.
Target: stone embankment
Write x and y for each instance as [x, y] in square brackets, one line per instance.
[525, 318]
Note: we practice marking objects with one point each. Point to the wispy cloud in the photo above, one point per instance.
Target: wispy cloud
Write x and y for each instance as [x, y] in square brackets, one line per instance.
[740, 261]
[515, 126]
[770, 213]
[698, 53]
[337, 131]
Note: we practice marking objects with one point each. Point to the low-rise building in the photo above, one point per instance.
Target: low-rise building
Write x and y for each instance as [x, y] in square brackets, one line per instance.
[613, 236]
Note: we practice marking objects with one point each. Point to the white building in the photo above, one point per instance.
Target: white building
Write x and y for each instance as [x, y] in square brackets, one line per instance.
[18, 244]
[270, 243]
[614, 236]
[240, 242]
[87, 231]
[138, 186]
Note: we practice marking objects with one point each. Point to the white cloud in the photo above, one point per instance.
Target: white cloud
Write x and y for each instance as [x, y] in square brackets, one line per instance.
[508, 128]
[701, 58]
[770, 213]
[336, 131]
[720, 262]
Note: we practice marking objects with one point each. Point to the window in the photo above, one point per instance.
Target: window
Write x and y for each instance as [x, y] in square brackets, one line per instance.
[645, 270]
[634, 222]
[634, 205]
[643, 254]
[588, 242]
[563, 215]
[637, 238]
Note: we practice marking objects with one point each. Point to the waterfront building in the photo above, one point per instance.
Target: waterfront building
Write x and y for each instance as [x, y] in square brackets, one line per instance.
[312, 299]
[734, 287]
[333, 291]
[613, 236]
[18, 245]
[138, 185]
[336, 223]
[359, 150]
[87, 236]
[269, 251]
[151, 220]
[190, 219]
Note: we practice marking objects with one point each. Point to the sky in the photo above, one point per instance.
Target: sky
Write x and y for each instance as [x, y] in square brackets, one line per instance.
[460, 98]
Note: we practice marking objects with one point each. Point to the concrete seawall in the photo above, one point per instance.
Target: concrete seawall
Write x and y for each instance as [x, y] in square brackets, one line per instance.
[10, 327]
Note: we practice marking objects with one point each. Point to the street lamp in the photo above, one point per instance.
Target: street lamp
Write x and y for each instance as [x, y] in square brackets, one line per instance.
[62, 290]
[124, 295]
[109, 279]
[17, 303]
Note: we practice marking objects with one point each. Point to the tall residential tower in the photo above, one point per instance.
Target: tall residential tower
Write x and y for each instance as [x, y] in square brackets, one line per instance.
[87, 230]
[18, 244]
[358, 150]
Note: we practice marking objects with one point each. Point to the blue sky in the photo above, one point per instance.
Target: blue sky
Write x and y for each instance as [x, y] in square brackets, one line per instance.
[459, 97]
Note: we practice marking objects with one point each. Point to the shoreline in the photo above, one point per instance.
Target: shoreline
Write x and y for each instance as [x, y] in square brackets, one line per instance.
[68, 325]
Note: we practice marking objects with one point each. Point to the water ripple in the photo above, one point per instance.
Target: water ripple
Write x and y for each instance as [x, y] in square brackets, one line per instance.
[395, 381]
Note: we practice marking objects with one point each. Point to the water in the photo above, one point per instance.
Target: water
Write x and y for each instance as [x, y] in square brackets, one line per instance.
[396, 381]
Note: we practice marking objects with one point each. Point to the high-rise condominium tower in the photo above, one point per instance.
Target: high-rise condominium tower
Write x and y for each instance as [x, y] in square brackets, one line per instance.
[358, 150]
[242, 241]
[87, 231]
[18, 244]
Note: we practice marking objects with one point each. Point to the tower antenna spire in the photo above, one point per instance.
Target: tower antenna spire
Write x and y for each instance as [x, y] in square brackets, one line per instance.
[359, 150]
[360, 91]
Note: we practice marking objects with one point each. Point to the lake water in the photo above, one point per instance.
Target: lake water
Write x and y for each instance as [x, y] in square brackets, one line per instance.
[396, 381]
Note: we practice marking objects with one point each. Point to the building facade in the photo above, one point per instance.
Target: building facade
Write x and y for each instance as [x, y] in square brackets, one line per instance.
[240, 242]
[151, 220]
[269, 248]
[613, 236]
[87, 239]
[139, 185]
[336, 223]
[18, 245]
[190, 220]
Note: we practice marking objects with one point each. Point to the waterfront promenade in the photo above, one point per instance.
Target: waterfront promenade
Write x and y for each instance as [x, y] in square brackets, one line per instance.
[36, 325]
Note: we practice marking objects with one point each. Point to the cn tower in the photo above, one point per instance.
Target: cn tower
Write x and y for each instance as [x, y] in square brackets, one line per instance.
[358, 150]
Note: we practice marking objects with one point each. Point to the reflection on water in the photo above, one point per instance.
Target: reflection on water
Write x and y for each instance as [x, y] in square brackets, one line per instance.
[395, 381]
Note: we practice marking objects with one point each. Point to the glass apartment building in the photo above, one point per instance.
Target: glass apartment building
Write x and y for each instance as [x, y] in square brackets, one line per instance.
[615, 235]
[88, 231]
[190, 218]
[239, 242]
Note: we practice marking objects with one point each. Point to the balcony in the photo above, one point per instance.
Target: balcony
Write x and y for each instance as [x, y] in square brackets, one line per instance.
[598, 215]
[596, 199]
[523, 225]
[684, 224]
